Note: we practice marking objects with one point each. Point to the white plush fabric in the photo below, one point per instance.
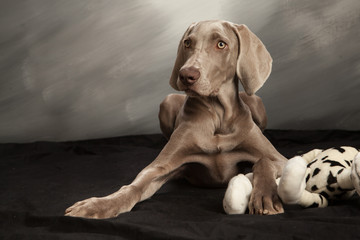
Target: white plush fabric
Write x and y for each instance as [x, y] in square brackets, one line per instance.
[292, 183]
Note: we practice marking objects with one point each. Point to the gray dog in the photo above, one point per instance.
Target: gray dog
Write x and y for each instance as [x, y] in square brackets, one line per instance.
[213, 127]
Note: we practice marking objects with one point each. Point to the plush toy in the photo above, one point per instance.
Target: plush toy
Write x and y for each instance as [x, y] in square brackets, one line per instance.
[310, 180]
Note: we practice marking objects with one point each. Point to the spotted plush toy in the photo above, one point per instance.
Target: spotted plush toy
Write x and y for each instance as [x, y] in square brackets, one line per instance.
[310, 180]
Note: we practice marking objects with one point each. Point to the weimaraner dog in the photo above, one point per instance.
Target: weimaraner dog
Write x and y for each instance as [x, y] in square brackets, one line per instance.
[211, 129]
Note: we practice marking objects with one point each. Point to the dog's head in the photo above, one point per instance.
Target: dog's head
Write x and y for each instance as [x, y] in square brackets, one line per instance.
[213, 52]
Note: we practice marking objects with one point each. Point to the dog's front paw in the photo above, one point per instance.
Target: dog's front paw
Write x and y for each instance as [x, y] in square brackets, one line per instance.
[265, 202]
[94, 208]
[105, 207]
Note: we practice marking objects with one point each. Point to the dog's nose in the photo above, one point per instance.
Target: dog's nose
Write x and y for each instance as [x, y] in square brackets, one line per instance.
[189, 75]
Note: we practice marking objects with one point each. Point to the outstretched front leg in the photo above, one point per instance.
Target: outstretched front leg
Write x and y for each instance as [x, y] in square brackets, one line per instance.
[166, 166]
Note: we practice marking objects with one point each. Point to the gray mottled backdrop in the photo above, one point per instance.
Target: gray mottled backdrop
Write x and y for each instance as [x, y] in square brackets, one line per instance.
[80, 69]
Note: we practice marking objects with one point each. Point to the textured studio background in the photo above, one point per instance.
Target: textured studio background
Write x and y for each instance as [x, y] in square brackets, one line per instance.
[81, 69]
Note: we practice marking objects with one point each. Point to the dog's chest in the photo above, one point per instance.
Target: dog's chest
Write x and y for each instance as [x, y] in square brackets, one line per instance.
[216, 169]
[222, 164]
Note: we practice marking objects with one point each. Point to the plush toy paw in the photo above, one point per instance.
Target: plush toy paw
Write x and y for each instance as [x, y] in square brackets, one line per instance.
[237, 195]
[292, 183]
[355, 173]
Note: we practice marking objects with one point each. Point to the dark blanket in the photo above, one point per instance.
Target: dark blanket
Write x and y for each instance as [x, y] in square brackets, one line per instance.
[38, 181]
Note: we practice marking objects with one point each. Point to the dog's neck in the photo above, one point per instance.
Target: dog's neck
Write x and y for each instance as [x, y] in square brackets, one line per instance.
[226, 103]
[229, 100]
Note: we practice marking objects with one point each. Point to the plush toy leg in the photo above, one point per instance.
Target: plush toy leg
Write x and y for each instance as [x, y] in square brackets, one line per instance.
[309, 199]
[344, 178]
[292, 183]
[345, 181]
[237, 194]
[355, 173]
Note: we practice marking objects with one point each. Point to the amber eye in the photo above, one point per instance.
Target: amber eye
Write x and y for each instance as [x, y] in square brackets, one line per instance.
[221, 45]
[187, 43]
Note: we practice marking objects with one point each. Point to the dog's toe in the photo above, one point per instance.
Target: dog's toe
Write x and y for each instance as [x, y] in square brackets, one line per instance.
[89, 208]
[265, 204]
[272, 205]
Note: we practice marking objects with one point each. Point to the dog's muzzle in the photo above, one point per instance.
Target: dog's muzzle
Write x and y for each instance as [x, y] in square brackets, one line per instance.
[189, 75]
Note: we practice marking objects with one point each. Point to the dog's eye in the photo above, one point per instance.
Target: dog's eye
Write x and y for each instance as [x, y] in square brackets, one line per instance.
[221, 45]
[187, 43]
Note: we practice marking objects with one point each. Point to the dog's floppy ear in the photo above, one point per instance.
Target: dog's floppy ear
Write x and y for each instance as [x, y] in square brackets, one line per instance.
[254, 61]
[180, 60]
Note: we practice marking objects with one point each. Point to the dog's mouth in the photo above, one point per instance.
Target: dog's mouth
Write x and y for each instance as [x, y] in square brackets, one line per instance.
[191, 93]
[194, 90]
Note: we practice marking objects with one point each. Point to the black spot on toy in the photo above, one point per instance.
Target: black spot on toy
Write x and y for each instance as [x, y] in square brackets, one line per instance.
[316, 172]
[325, 195]
[314, 188]
[311, 163]
[348, 163]
[331, 189]
[340, 149]
[331, 179]
[334, 163]
[314, 205]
